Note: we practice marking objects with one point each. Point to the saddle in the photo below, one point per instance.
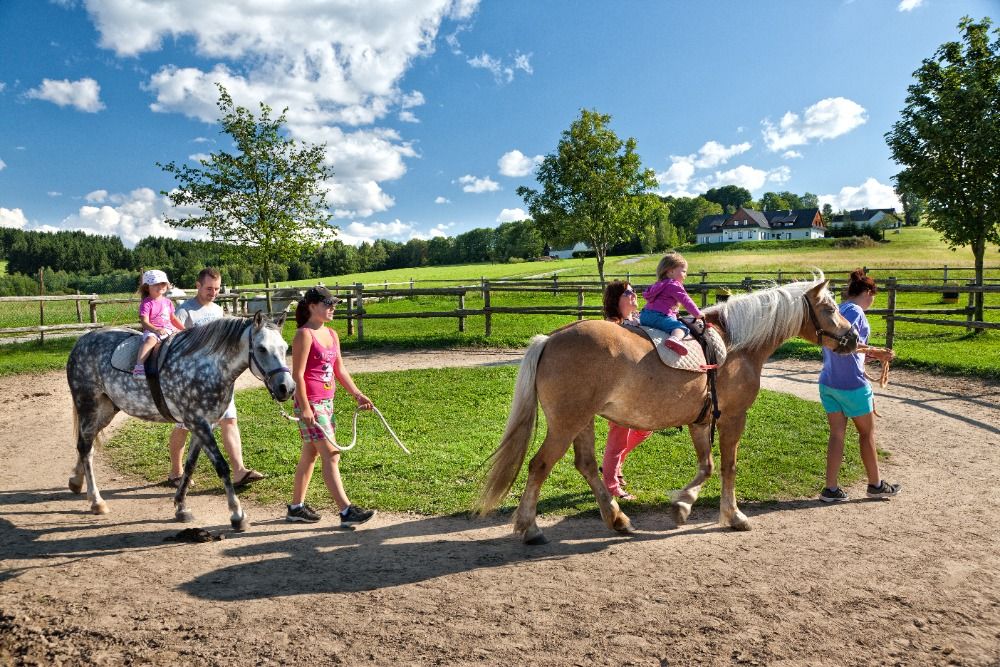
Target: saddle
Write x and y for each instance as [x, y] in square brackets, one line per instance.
[123, 359]
[694, 360]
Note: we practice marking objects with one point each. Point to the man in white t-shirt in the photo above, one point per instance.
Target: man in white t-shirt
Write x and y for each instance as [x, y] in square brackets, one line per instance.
[192, 313]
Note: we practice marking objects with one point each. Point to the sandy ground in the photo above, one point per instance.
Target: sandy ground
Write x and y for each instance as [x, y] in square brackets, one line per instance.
[909, 581]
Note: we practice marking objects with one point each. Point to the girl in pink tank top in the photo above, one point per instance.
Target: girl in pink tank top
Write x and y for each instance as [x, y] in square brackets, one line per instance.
[316, 367]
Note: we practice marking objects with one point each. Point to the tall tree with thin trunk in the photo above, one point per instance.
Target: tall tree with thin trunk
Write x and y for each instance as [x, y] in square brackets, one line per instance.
[591, 187]
[948, 141]
[267, 202]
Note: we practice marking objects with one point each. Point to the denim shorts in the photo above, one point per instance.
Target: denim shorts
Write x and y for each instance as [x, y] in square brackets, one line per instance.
[852, 402]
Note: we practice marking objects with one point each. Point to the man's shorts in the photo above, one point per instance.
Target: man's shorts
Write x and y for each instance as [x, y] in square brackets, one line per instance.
[326, 422]
[852, 402]
[230, 413]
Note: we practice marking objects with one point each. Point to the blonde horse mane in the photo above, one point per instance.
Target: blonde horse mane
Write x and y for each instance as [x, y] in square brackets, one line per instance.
[745, 318]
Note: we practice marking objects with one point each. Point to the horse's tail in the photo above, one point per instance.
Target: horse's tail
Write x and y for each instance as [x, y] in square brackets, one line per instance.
[508, 458]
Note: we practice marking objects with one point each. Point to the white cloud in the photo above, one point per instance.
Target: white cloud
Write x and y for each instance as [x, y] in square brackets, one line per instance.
[84, 94]
[132, 216]
[827, 119]
[357, 233]
[12, 217]
[713, 153]
[678, 174]
[441, 200]
[408, 117]
[502, 72]
[512, 215]
[743, 176]
[53, 193]
[780, 175]
[329, 63]
[677, 178]
[522, 61]
[870, 194]
[96, 197]
[3, 86]
[516, 164]
[908, 6]
[197, 157]
[788, 155]
[3, 165]
[476, 185]
[203, 140]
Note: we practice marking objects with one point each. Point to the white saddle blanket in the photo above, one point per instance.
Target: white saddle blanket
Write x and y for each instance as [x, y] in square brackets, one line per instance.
[123, 358]
[694, 360]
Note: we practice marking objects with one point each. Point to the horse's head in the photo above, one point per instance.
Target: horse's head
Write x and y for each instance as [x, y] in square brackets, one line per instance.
[267, 356]
[824, 325]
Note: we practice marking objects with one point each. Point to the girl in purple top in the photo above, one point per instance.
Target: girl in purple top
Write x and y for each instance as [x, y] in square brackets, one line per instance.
[663, 299]
[846, 394]
[316, 363]
[156, 314]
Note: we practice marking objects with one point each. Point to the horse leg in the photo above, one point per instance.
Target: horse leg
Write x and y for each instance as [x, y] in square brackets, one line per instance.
[730, 432]
[91, 417]
[585, 461]
[181, 512]
[686, 497]
[237, 519]
[553, 447]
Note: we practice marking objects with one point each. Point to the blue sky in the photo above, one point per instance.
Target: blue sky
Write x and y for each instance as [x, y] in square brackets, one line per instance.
[435, 111]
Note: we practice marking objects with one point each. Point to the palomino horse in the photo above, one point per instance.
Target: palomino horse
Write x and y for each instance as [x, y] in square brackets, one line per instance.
[196, 381]
[601, 368]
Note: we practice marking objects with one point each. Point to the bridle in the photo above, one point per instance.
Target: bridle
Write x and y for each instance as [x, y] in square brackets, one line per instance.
[842, 341]
[267, 374]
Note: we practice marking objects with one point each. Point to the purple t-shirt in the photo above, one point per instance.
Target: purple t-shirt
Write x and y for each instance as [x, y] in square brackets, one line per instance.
[847, 371]
[666, 296]
[158, 311]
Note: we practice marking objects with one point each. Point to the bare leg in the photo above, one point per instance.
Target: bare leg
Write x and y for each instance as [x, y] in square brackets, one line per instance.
[686, 497]
[178, 437]
[233, 444]
[331, 475]
[147, 347]
[586, 462]
[303, 472]
[730, 431]
[835, 447]
[866, 438]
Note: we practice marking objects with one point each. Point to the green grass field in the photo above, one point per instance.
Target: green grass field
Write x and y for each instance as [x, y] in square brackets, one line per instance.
[452, 419]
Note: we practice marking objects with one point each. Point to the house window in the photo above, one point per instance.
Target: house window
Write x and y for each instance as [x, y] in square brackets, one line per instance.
[741, 235]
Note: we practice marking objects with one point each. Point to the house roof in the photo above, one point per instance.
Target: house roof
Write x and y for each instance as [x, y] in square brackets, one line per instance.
[786, 219]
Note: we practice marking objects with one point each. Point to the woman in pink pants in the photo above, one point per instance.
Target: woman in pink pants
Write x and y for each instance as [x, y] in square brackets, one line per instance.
[620, 305]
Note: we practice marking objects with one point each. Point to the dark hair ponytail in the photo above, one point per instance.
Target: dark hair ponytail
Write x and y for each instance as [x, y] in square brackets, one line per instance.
[313, 295]
[860, 283]
[301, 313]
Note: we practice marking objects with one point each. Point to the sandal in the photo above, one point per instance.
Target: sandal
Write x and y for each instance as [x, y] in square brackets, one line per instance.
[624, 495]
[249, 477]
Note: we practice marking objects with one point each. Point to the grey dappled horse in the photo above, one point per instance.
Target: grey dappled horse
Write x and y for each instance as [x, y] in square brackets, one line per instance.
[196, 378]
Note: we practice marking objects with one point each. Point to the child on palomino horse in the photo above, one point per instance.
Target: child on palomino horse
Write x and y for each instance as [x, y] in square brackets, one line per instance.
[316, 361]
[156, 314]
[664, 297]
[619, 306]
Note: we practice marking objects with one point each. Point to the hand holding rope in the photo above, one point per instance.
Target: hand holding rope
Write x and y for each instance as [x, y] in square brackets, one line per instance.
[882, 354]
[354, 427]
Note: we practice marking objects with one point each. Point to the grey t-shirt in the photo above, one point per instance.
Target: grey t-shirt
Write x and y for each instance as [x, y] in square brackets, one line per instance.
[192, 314]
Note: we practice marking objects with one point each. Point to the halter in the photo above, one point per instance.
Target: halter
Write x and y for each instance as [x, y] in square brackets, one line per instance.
[267, 374]
[842, 341]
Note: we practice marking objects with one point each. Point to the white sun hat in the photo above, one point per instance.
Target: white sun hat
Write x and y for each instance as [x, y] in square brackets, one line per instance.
[154, 277]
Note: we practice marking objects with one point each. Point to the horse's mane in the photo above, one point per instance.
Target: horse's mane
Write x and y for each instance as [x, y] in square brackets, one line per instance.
[760, 318]
[219, 335]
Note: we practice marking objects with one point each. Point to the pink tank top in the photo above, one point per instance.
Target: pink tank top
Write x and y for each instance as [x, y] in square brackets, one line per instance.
[320, 383]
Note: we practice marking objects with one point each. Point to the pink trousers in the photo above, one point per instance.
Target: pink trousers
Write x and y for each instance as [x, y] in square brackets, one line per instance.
[621, 441]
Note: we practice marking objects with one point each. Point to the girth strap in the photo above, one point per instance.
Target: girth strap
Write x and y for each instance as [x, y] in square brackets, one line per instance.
[153, 365]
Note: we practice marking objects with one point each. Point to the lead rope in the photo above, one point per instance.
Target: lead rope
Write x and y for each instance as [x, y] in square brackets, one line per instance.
[883, 379]
[354, 429]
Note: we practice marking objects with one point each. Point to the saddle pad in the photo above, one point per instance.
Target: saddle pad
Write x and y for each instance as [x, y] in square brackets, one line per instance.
[123, 358]
[694, 360]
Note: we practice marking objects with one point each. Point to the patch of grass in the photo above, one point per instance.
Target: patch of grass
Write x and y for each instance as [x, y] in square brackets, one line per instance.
[35, 357]
[452, 419]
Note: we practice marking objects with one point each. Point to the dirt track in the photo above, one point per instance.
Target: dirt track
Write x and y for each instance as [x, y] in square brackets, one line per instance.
[915, 580]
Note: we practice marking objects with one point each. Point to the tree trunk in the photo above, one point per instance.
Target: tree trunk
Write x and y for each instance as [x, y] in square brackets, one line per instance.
[267, 285]
[979, 251]
[600, 263]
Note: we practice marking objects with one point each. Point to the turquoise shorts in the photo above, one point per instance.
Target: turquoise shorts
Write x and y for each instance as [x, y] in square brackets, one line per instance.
[852, 402]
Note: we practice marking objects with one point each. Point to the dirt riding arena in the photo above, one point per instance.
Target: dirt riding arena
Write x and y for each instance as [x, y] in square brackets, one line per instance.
[911, 581]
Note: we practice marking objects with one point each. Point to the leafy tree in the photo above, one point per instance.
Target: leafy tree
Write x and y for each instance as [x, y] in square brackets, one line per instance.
[729, 197]
[687, 212]
[948, 141]
[266, 202]
[913, 208]
[591, 187]
[827, 214]
[808, 200]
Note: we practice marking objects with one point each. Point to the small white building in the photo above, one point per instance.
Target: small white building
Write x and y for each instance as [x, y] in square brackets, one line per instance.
[567, 253]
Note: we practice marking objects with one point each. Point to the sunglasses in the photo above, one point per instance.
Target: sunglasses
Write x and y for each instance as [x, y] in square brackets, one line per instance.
[331, 302]
[629, 292]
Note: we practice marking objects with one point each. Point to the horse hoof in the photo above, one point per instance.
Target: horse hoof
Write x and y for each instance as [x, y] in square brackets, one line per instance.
[75, 486]
[623, 524]
[240, 525]
[537, 540]
[99, 508]
[680, 514]
[740, 525]
[184, 516]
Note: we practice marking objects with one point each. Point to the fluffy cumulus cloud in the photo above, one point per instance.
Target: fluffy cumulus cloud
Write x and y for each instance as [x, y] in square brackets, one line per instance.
[131, 216]
[516, 164]
[870, 194]
[478, 185]
[12, 217]
[677, 178]
[908, 6]
[96, 197]
[512, 215]
[789, 155]
[84, 94]
[331, 64]
[355, 233]
[827, 119]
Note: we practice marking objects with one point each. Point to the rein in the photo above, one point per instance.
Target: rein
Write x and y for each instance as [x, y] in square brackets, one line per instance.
[354, 429]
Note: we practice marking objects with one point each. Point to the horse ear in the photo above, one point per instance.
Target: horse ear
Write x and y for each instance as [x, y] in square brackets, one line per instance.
[816, 291]
[279, 321]
[258, 319]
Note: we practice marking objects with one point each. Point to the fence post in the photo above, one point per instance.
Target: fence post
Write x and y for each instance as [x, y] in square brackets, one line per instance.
[970, 309]
[945, 278]
[628, 277]
[41, 304]
[890, 317]
[486, 308]
[358, 288]
[555, 285]
[79, 313]
[461, 306]
[350, 314]
[93, 309]
[779, 276]
[747, 282]
[704, 295]
[482, 286]
[579, 303]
